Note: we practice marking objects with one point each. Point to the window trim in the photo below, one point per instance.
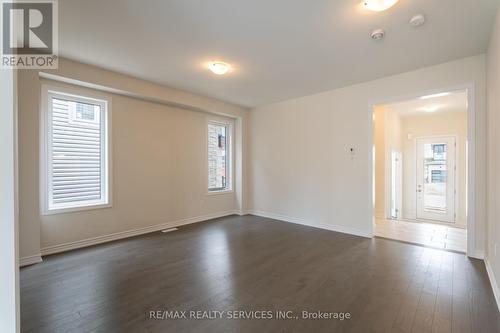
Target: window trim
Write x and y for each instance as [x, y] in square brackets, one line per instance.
[229, 123]
[83, 95]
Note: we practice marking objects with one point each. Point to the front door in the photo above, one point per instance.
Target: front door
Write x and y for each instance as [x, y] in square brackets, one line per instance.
[436, 179]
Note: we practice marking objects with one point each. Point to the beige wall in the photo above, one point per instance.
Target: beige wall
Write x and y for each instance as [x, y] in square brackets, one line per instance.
[387, 137]
[449, 123]
[158, 160]
[493, 74]
[393, 131]
[299, 160]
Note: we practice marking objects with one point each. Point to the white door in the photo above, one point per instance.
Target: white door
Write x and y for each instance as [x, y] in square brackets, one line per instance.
[436, 178]
[396, 184]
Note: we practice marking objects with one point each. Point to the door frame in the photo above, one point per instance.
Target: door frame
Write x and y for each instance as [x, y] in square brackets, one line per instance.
[471, 157]
[455, 176]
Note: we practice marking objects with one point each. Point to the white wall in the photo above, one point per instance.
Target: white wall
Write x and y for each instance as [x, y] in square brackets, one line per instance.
[493, 232]
[449, 123]
[9, 290]
[299, 161]
[158, 160]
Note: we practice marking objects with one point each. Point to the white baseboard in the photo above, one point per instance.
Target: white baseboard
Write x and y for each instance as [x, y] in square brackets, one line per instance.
[130, 233]
[493, 282]
[30, 260]
[331, 227]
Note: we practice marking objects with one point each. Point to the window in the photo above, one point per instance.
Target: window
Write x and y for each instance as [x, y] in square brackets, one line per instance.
[75, 152]
[439, 151]
[438, 176]
[87, 112]
[219, 156]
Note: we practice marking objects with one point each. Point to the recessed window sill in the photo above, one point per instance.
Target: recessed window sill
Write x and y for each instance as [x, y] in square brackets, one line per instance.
[220, 192]
[73, 209]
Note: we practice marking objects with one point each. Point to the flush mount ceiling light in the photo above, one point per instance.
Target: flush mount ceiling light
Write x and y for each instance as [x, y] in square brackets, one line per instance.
[219, 67]
[379, 5]
[435, 95]
[430, 109]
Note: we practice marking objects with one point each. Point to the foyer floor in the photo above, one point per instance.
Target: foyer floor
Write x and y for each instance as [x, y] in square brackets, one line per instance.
[434, 235]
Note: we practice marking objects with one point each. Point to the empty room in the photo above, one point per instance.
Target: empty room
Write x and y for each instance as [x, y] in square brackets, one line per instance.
[250, 166]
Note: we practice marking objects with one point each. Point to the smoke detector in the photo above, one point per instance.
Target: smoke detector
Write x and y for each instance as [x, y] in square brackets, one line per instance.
[378, 34]
[417, 20]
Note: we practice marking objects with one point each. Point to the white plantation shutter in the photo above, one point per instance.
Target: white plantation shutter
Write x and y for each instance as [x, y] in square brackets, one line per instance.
[76, 149]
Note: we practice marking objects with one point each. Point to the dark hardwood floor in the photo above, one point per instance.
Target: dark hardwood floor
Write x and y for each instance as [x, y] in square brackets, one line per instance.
[255, 264]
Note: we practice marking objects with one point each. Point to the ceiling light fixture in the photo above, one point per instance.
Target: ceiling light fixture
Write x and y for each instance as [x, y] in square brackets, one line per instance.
[436, 95]
[219, 67]
[379, 5]
[429, 109]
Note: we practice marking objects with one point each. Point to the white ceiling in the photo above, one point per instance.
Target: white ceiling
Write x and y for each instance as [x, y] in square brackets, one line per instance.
[281, 48]
[455, 102]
